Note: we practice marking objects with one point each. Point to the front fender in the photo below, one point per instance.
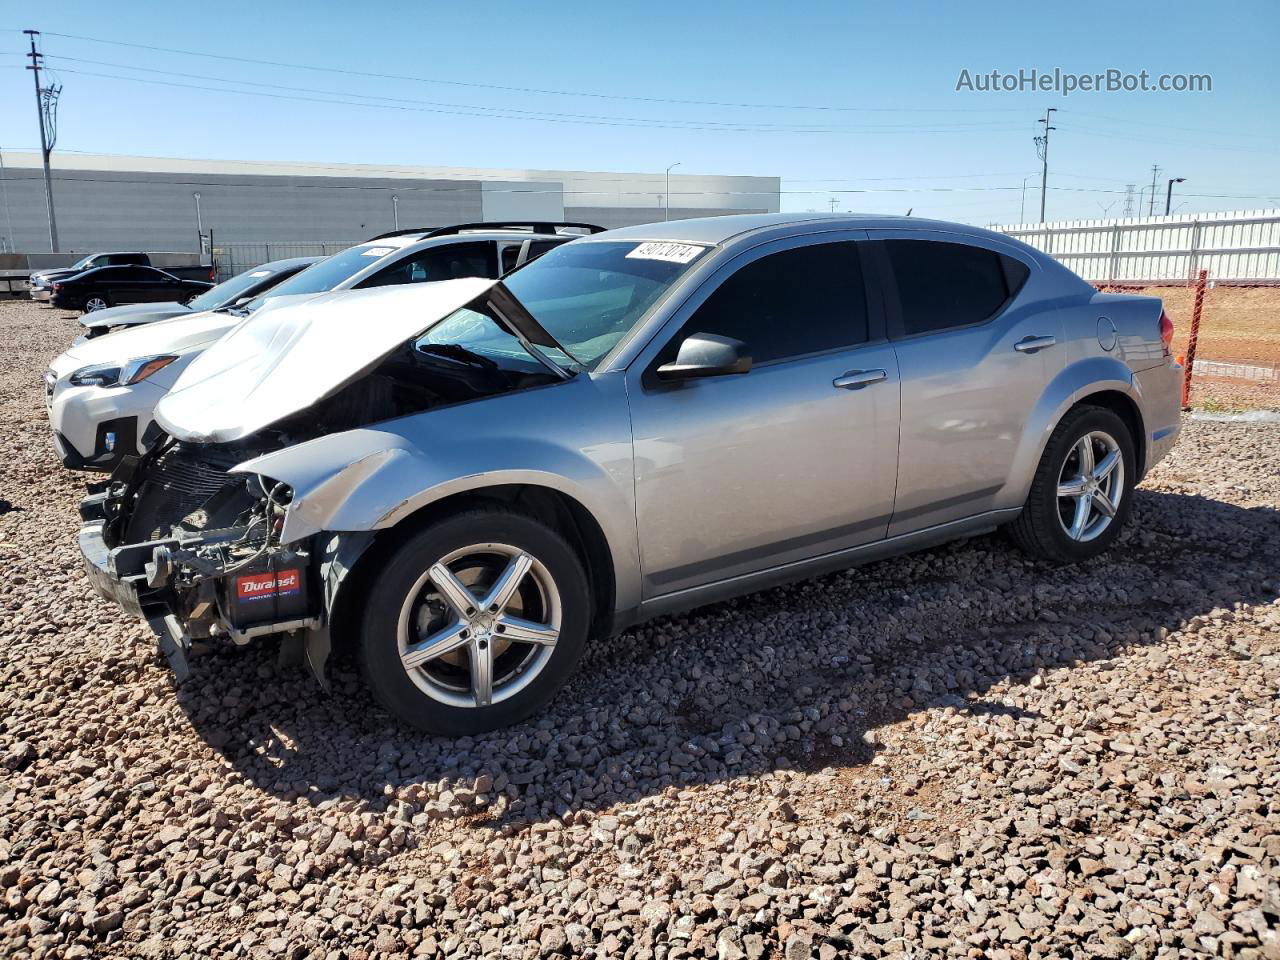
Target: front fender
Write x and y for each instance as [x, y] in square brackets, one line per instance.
[1074, 382]
[572, 438]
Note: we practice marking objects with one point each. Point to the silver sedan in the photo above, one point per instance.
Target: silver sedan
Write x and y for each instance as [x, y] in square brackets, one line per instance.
[466, 482]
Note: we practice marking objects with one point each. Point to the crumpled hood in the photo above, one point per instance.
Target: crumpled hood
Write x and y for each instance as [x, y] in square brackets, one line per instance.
[175, 335]
[281, 361]
[134, 313]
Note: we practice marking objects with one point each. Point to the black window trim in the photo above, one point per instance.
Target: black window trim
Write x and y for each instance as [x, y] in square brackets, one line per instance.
[878, 255]
[877, 315]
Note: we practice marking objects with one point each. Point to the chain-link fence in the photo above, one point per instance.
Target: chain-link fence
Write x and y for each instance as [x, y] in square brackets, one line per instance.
[236, 257]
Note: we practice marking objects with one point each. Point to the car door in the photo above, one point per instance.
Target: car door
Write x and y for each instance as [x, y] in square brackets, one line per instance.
[147, 285]
[794, 459]
[975, 352]
[126, 284]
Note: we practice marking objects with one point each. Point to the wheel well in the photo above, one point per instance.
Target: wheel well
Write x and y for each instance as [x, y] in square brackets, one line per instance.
[1123, 407]
[557, 510]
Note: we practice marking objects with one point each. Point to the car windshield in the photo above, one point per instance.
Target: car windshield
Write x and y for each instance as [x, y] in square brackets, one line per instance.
[81, 263]
[327, 274]
[229, 291]
[589, 294]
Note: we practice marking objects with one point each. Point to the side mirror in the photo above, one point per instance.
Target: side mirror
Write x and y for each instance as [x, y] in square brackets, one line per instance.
[706, 355]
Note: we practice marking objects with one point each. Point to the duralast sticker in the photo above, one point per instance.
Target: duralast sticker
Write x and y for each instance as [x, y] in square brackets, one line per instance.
[262, 586]
[664, 250]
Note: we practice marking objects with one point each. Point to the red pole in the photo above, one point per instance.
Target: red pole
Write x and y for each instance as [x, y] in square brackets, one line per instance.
[1192, 338]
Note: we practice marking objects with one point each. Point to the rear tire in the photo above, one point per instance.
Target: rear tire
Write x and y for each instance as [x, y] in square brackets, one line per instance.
[95, 302]
[428, 649]
[1083, 488]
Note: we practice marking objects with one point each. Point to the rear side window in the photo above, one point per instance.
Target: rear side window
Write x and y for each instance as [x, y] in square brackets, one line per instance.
[788, 304]
[122, 258]
[447, 262]
[945, 285]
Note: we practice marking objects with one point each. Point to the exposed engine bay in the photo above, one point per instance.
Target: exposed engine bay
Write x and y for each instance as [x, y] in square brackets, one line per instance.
[195, 549]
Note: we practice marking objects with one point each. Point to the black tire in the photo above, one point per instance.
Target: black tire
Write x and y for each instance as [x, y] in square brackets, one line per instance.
[379, 653]
[1039, 530]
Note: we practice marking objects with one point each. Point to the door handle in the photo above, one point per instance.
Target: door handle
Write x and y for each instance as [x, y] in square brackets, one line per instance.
[1032, 344]
[857, 379]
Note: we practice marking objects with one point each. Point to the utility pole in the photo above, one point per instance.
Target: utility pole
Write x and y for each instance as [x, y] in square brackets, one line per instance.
[833, 201]
[1151, 201]
[46, 109]
[1042, 148]
[1128, 199]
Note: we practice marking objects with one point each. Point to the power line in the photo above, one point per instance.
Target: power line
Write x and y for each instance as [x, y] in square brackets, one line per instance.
[667, 125]
[533, 114]
[520, 89]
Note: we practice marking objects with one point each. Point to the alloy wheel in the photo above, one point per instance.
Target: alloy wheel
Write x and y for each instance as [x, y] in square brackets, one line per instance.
[94, 303]
[1090, 486]
[479, 625]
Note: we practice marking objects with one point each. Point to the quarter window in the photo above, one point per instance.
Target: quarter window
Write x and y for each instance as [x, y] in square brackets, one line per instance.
[788, 304]
[944, 285]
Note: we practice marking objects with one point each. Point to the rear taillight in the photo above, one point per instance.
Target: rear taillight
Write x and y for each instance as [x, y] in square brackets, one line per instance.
[1166, 331]
[212, 275]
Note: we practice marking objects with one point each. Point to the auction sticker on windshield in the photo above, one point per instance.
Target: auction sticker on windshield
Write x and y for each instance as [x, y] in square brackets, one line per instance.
[378, 251]
[670, 252]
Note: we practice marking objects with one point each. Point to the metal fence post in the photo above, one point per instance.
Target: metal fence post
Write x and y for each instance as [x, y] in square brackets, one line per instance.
[1192, 337]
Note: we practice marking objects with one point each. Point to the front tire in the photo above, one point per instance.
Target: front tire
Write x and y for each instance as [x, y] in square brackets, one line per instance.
[474, 622]
[1083, 488]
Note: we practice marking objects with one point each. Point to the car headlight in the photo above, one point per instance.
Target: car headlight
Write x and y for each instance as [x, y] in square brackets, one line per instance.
[121, 374]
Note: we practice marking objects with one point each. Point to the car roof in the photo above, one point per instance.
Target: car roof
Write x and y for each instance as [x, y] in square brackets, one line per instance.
[719, 230]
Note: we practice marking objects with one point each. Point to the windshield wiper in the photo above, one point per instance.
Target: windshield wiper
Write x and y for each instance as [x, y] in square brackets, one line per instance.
[456, 351]
[231, 308]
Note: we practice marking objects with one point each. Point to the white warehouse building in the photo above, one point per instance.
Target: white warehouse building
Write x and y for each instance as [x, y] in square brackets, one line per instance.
[109, 202]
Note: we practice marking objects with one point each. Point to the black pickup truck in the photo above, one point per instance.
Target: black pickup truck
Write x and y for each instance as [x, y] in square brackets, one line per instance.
[42, 280]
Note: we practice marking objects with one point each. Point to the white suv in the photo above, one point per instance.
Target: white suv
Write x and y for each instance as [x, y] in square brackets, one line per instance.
[101, 393]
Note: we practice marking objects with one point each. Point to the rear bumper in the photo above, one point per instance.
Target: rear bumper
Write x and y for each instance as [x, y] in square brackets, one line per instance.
[1160, 388]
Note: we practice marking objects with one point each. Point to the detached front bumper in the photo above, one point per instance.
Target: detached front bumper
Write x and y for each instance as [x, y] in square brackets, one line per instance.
[41, 293]
[120, 575]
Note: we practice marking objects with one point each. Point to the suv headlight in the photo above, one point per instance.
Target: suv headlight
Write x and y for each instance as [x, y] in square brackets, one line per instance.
[121, 374]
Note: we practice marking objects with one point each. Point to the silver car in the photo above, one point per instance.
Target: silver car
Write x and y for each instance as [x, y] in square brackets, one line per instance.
[476, 478]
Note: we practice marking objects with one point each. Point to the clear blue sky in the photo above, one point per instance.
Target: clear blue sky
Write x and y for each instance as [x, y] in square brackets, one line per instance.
[890, 68]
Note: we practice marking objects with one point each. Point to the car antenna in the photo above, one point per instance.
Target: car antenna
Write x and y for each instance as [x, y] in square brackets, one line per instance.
[909, 209]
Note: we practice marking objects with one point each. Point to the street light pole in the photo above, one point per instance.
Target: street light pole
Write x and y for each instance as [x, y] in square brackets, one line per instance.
[1022, 213]
[395, 210]
[199, 223]
[666, 202]
[8, 219]
[1168, 194]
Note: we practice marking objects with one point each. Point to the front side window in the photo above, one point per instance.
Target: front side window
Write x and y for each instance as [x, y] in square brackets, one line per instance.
[944, 285]
[448, 262]
[788, 304]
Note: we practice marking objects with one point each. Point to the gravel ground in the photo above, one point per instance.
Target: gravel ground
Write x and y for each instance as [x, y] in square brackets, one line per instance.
[957, 753]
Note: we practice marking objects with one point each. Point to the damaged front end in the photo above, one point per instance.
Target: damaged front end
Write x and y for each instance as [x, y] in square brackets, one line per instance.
[220, 573]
